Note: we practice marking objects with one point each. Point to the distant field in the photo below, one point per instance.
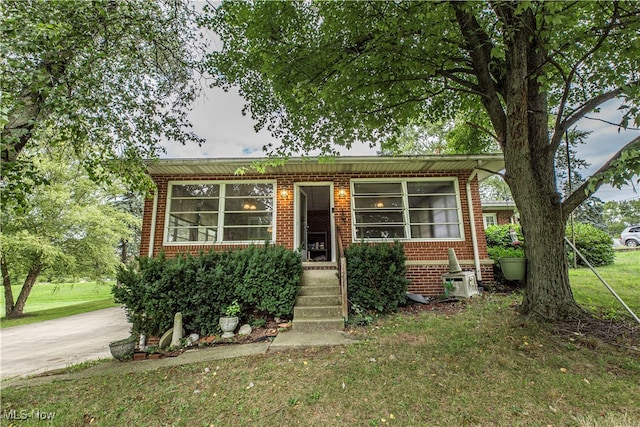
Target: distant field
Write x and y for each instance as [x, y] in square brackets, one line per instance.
[624, 279]
[53, 300]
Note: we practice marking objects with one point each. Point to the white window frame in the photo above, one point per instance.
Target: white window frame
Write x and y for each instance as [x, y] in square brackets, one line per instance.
[405, 209]
[219, 239]
[489, 215]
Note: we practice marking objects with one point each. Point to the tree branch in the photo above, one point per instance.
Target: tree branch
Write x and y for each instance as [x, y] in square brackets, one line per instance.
[579, 113]
[561, 126]
[482, 129]
[479, 47]
[584, 192]
[608, 122]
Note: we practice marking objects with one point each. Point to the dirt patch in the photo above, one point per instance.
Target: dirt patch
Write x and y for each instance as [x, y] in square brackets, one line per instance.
[440, 306]
[269, 330]
[589, 331]
[592, 331]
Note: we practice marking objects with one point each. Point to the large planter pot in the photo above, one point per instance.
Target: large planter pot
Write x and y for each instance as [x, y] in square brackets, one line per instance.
[228, 325]
[513, 268]
[123, 349]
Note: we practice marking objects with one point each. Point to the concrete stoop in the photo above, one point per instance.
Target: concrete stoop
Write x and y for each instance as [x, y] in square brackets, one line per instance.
[298, 340]
[318, 305]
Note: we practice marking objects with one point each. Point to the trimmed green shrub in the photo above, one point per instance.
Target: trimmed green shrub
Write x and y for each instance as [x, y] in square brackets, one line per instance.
[594, 244]
[498, 252]
[498, 235]
[270, 280]
[500, 245]
[376, 276]
[264, 280]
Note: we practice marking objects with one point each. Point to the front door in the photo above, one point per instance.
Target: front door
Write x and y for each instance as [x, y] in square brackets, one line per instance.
[314, 223]
[302, 225]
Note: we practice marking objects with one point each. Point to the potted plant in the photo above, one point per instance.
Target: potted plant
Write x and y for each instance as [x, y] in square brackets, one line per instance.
[511, 260]
[123, 349]
[229, 319]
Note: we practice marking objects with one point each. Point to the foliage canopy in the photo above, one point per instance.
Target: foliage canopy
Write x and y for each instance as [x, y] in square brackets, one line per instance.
[70, 228]
[321, 74]
[113, 79]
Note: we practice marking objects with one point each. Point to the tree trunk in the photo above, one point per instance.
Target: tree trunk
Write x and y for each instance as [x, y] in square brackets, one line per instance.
[123, 251]
[6, 282]
[547, 294]
[530, 173]
[32, 276]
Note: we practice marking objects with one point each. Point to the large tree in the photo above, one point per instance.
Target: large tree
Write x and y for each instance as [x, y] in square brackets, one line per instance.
[70, 228]
[332, 73]
[113, 78]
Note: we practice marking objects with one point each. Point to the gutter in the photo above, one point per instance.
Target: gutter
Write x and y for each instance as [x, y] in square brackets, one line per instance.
[154, 214]
[472, 221]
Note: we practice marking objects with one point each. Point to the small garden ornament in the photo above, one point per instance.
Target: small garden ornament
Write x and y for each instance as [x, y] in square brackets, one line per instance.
[229, 320]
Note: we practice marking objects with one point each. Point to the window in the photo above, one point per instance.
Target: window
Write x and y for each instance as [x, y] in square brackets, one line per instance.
[489, 219]
[406, 209]
[220, 212]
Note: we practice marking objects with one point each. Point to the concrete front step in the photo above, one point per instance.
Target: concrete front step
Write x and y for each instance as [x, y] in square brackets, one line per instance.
[318, 305]
[318, 325]
[317, 279]
[319, 290]
[313, 276]
[303, 313]
[319, 282]
[318, 300]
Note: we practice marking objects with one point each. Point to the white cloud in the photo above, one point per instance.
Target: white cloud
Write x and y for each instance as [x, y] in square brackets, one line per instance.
[604, 141]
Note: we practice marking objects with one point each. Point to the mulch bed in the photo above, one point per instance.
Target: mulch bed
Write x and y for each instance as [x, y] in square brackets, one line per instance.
[589, 331]
[268, 331]
[440, 306]
[592, 331]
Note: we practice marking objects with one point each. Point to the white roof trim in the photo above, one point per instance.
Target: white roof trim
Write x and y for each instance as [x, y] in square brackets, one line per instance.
[362, 164]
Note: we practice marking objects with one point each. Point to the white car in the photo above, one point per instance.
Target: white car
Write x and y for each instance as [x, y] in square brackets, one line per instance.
[630, 236]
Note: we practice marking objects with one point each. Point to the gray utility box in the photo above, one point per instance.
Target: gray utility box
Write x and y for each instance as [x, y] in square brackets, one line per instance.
[464, 283]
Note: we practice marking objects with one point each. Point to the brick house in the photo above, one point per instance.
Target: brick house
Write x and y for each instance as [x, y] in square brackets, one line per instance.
[499, 213]
[429, 203]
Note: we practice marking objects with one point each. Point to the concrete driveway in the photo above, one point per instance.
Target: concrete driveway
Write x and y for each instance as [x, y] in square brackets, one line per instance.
[54, 344]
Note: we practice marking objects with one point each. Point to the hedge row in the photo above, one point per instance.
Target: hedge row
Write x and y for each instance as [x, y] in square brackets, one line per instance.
[376, 276]
[264, 280]
[594, 244]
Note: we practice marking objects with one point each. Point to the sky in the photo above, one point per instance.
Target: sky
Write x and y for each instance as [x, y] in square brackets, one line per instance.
[217, 117]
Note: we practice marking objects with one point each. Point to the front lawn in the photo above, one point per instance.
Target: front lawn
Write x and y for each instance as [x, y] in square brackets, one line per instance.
[53, 300]
[476, 363]
[624, 279]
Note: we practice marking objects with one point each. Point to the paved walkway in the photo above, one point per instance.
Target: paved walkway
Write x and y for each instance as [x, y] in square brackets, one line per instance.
[54, 344]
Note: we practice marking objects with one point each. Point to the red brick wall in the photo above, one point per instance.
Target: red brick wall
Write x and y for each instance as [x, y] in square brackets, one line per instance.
[502, 216]
[426, 280]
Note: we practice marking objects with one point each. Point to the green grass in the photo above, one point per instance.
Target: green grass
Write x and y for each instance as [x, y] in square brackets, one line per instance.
[53, 300]
[482, 366]
[624, 279]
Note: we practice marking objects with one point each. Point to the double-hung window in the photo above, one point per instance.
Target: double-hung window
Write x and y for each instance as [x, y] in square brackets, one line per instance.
[489, 219]
[214, 212]
[427, 209]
